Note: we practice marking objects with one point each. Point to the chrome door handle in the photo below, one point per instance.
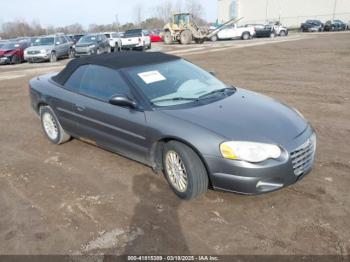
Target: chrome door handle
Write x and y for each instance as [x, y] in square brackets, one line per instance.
[80, 108]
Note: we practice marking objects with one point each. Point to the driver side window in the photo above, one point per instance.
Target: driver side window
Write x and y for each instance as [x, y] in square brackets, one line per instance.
[97, 82]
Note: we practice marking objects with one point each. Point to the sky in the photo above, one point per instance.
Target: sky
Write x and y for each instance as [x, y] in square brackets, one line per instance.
[85, 12]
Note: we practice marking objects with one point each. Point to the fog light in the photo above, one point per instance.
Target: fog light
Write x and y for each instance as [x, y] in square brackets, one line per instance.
[268, 184]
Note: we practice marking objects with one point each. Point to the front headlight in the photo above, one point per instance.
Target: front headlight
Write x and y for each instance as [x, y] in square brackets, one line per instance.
[44, 51]
[299, 113]
[249, 151]
[92, 46]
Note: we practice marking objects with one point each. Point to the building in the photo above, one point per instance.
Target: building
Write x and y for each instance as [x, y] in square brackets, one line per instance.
[290, 12]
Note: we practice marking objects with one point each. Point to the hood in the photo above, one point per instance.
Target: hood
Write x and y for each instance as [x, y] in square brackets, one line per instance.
[40, 47]
[85, 44]
[3, 51]
[246, 116]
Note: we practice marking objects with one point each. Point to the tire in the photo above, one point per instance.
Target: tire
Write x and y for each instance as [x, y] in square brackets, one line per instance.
[98, 51]
[150, 46]
[168, 39]
[52, 127]
[71, 53]
[15, 60]
[245, 36]
[196, 182]
[214, 38]
[186, 37]
[53, 57]
[283, 33]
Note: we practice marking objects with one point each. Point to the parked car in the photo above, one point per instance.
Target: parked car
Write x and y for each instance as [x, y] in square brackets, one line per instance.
[136, 39]
[156, 36]
[92, 44]
[234, 32]
[165, 112]
[256, 26]
[271, 30]
[267, 31]
[312, 26]
[12, 52]
[76, 38]
[279, 29]
[335, 25]
[49, 48]
[115, 40]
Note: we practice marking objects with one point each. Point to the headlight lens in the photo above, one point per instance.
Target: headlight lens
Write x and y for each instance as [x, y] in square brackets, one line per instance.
[92, 46]
[249, 151]
[44, 51]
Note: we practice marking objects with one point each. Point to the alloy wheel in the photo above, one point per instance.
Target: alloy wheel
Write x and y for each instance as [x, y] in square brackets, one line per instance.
[176, 171]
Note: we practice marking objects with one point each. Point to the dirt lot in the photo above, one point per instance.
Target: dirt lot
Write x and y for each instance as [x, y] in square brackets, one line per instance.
[77, 198]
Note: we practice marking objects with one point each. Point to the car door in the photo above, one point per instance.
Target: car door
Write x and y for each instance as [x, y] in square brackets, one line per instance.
[120, 129]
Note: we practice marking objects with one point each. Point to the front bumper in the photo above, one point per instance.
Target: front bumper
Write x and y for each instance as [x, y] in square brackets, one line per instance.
[37, 57]
[5, 60]
[270, 175]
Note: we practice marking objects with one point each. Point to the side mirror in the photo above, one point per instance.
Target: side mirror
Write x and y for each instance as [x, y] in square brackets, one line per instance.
[122, 100]
[212, 73]
[57, 43]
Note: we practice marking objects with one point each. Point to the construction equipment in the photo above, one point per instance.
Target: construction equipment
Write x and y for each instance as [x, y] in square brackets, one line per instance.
[184, 30]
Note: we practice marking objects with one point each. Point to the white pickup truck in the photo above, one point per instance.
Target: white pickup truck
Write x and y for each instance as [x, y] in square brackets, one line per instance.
[136, 39]
[114, 40]
[235, 32]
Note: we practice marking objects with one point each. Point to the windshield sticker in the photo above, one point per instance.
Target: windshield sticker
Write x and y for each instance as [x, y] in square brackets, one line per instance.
[151, 77]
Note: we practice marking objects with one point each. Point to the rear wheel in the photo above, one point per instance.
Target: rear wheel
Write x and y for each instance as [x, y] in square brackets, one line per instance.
[168, 38]
[184, 170]
[52, 127]
[245, 36]
[186, 37]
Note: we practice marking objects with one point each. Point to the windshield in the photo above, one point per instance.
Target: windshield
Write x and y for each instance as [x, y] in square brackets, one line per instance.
[174, 83]
[44, 41]
[133, 33]
[10, 46]
[88, 39]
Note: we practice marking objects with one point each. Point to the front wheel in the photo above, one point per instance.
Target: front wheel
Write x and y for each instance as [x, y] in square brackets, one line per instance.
[52, 127]
[15, 60]
[184, 170]
[283, 33]
[168, 38]
[214, 38]
[53, 57]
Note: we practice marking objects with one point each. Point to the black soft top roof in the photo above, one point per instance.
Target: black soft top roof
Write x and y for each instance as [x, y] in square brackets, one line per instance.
[114, 61]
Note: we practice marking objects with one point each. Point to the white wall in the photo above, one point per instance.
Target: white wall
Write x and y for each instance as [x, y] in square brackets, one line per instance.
[291, 12]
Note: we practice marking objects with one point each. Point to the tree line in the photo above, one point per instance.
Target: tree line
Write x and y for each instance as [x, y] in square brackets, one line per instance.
[156, 19]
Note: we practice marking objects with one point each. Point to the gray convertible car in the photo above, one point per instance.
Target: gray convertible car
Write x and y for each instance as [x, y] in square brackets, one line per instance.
[167, 113]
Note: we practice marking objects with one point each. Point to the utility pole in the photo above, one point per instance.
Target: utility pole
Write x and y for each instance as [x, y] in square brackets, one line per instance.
[334, 8]
[267, 10]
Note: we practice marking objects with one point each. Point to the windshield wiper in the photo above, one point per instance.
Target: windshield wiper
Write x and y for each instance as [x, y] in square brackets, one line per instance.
[218, 91]
[176, 99]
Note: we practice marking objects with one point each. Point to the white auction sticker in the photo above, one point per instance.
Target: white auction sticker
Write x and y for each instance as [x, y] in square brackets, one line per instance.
[151, 77]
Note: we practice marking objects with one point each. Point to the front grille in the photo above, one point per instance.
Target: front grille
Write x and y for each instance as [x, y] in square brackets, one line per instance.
[82, 49]
[303, 156]
[34, 52]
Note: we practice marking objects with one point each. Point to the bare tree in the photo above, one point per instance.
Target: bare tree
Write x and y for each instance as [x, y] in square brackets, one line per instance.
[196, 9]
[138, 13]
[163, 11]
